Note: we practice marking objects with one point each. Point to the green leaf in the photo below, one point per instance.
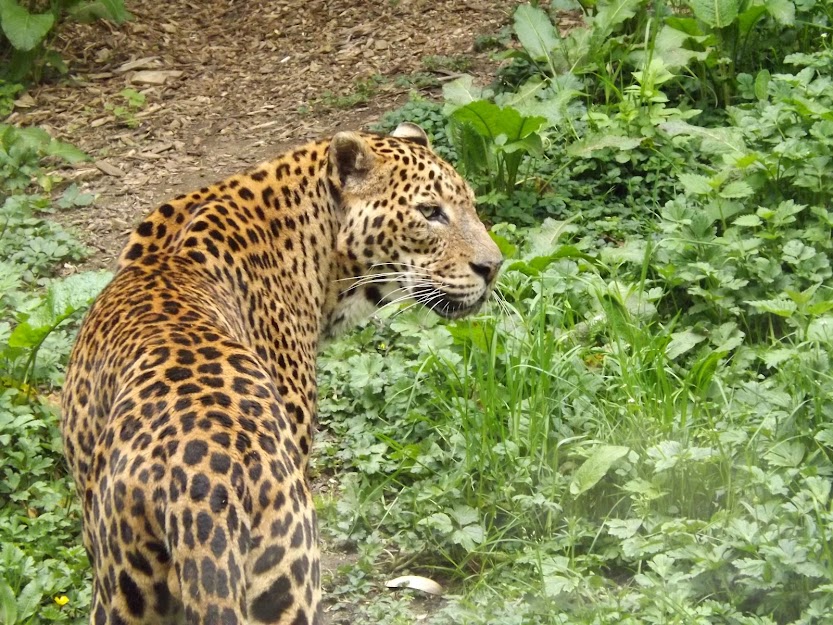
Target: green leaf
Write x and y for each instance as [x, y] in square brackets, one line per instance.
[465, 515]
[782, 11]
[785, 454]
[780, 306]
[736, 189]
[715, 13]
[610, 15]
[681, 342]
[669, 46]
[507, 249]
[821, 330]
[748, 221]
[439, 521]
[534, 266]
[696, 184]
[8, 604]
[762, 80]
[24, 30]
[29, 599]
[469, 537]
[749, 18]
[490, 121]
[463, 91]
[63, 299]
[535, 32]
[112, 10]
[596, 467]
[593, 143]
[721, 141]
[67, 152]
[623, 528]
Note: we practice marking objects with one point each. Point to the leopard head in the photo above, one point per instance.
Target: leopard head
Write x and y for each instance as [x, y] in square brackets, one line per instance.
[408, 225]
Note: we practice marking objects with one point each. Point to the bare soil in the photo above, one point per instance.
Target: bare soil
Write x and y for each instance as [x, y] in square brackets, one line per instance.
[238, 82]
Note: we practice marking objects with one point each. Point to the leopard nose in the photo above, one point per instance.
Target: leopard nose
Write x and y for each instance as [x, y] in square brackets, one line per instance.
[486, 269]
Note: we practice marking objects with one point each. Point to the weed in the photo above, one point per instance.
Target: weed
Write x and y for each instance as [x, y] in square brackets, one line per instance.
[434, 63]
[362, 92]
[125, 113]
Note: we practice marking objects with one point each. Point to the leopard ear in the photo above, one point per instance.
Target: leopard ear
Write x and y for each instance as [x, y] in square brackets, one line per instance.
[350, 155]
[411, 132]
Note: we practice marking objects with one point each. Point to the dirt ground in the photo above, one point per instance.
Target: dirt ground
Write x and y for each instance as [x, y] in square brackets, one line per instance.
[229, 83]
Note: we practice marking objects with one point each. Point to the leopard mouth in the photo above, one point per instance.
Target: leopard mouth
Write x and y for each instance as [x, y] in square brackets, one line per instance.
[447, 305]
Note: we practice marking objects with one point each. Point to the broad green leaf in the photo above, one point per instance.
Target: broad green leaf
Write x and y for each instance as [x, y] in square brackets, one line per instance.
[535, 31]
[469, 537]
[762, 80]
[490, 121]
[29, 599]
[593, 143]
[544, 239]
[736, 189]
[439, 521]
[669, 47]
[67, 152]
[8, 604]
[749, 18]
[463, 91]
[28, 138]
[681, 342]
[821, 330]
[623, 528]
[687, 25]
[596, 467]
[748, 221]
[696, 184]
[785, 454]
[507, 249]
[534, 266]
[722, 141]
[715, 13]
[24, 30]
[780, 306]
[63, 299]
[782, 11]
[465, 515]
[610, 15]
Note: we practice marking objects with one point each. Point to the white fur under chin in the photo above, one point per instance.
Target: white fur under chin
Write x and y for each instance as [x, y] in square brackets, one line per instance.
[348, 313]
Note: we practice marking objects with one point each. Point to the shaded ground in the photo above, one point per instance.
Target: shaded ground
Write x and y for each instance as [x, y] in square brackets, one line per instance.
[239, 81]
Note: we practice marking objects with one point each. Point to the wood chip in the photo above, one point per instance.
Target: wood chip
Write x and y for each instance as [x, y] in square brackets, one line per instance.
[109, 169]
[154, 77]
[148, 62]
[25, 101]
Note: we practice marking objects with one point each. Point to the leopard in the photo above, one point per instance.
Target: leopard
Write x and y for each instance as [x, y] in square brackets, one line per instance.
[190, 396]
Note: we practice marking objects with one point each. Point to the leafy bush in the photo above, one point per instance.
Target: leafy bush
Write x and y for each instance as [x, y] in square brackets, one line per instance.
[25, 32]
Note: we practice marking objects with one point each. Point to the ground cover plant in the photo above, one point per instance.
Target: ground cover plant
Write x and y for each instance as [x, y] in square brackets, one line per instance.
[43, 567]
[639, 429]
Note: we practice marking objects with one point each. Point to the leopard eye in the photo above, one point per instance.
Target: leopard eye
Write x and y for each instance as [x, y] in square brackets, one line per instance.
[432, 212]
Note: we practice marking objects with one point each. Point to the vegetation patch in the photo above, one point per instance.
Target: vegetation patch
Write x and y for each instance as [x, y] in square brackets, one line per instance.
[640, 427]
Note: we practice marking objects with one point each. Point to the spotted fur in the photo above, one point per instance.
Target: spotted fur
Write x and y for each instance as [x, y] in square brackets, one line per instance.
[190, 395]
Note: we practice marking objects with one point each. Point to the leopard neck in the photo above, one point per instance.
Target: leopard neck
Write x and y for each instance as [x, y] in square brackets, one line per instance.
[270, 242]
